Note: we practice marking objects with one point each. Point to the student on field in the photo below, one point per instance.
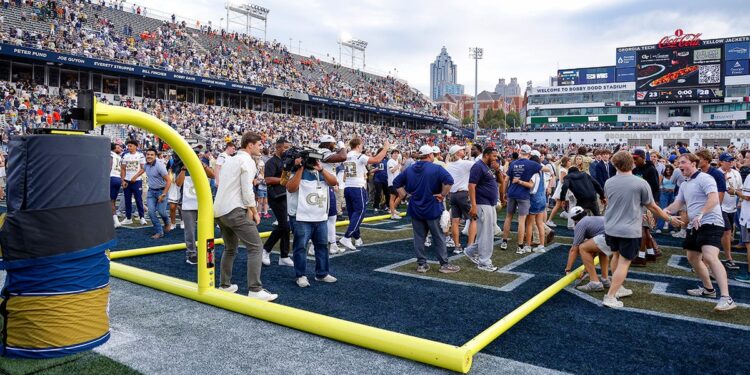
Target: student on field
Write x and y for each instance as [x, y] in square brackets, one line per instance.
[705, 229]
[626, 196]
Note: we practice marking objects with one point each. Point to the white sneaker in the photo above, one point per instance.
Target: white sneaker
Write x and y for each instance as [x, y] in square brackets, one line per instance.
[275, 223]
[286, 262]
[551, 224]
[311, 249]
[396, 217]
[504, 245]
[428, 242]
[302, 282]
[143, 221]
[611, 302]
[116, 221]
[231, 289]
[263, 295]
[449, 242]
[623, 292]
[266, 258]
[465, 231]
[347, 243]
[127, 222]
[326, 279]
[564, 215]
[498, 231]
[358, 242]
[540, 249]
[182, 224]
[680, 234]
[725, 304]
[333, 248]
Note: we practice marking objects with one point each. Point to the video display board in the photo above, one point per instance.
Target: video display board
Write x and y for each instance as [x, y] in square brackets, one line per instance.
[685, 74]
[586, 76]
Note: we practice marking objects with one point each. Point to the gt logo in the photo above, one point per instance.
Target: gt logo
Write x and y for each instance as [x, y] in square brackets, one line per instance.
[315, 199]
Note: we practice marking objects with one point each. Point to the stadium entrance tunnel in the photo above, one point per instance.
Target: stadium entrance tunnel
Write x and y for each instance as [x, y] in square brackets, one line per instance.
[451, 357]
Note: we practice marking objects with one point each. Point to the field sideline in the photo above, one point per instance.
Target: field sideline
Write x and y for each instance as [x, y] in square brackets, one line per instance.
[148, 325]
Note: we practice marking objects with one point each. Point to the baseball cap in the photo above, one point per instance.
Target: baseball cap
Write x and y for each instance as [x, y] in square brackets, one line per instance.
[726, 157]
[425, 150]
[454, 149]
[577, 213]
[672, 158]
[640, 153]
[536, 153]
[435, 149]
[327, 139]
[525, 149]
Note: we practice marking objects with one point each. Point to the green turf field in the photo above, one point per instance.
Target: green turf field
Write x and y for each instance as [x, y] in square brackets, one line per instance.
[89, 363]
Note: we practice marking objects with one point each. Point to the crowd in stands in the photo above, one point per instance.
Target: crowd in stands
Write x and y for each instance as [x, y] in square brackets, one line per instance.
[76, 27]
[26, 106]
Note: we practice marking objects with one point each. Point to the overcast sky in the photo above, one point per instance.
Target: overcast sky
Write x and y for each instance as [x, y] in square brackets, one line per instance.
[528, 39]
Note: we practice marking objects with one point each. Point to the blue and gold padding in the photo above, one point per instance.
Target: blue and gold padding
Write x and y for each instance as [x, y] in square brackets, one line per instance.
[54, 243]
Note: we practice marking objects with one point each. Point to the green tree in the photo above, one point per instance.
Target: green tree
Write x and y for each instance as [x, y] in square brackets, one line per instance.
[493, 119]
[514, 119]
[468, 120]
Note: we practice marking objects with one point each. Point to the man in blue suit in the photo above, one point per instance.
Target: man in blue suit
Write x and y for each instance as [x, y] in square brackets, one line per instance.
[603, 169]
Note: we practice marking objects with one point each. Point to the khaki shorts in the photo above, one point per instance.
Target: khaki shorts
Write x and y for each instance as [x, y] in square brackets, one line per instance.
[601, 243]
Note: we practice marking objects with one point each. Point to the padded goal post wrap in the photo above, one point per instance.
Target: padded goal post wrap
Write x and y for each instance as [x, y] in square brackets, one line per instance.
[54, 243]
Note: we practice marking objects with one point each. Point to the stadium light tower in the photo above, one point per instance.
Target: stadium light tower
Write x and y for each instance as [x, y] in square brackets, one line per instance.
[243, 14]
[354, 44]
[476, 53]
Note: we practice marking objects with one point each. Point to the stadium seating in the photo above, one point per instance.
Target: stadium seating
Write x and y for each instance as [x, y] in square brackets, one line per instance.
[204, 52]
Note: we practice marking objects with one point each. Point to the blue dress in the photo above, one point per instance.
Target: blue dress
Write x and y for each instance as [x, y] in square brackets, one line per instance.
[538, 199]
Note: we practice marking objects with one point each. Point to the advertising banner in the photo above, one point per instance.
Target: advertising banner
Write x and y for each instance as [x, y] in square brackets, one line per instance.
[737, 51]
[625, 59]
[626, 74]
[736, 68]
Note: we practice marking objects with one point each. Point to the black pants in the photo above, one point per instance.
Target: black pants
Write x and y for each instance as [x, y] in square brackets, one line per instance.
[589, 205]
[281, 232]
[381, 190]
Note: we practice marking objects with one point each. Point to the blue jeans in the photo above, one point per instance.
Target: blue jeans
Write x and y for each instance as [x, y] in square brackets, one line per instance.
[152, 201]
[303, 232]
[133, 189]
[665, 199]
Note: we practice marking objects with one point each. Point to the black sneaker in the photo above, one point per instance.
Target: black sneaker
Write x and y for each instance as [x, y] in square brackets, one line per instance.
[193, 259]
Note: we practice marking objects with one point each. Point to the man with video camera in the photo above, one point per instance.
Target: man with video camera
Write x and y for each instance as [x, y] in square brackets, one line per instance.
[308, 208]
[277, 201]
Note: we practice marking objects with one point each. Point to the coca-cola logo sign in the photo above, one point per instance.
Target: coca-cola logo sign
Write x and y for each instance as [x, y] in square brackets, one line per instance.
[680, 39]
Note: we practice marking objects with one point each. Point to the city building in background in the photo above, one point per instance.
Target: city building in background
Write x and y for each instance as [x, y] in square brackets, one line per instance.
[443, 77]
[511, 89]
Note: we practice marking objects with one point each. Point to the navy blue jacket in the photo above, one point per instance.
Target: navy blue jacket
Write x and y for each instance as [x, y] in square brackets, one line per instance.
[422, 180]
[601, 175]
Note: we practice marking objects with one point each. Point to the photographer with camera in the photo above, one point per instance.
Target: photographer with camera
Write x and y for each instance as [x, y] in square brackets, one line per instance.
[308, 198]
[277, 201]
[355, 192]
